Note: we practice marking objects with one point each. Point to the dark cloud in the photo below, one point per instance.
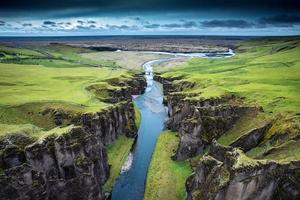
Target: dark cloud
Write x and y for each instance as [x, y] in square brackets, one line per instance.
[190, 24]
[186, 24]
[52, 23]
[131, 5]
[231, 23]
[80, 22]
[27, 24]
[82, 27]
[91, 22]
[280, 20]
[152, 26]
[122, 27]
[2, 23]
[172, 25]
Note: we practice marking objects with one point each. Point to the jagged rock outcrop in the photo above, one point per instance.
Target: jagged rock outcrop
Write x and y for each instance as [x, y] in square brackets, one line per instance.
[200, 121]
[252, 138]
[131, 86]
[68, 163]
[109, 123]
[226, 174]
[169, 86]
[64, 166]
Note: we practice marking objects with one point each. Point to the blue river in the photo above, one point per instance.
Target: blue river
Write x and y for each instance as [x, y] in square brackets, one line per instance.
[130, 185]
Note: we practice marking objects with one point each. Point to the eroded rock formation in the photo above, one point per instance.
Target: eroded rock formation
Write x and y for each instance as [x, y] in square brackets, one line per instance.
[226, 173]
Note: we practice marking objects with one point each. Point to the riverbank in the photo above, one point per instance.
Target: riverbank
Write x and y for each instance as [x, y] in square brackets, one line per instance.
[166, 177]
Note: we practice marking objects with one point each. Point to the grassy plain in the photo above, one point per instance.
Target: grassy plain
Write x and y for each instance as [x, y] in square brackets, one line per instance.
[166, 177]
[36, 79]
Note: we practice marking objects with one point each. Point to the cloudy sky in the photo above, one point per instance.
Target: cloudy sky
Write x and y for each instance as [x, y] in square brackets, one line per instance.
[139, 17]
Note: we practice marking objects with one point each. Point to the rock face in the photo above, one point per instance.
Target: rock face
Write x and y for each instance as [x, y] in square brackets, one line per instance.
[251, 139]
[64, 165]
[71, 165]
[200, 121]
[169, 86]
[132, 86]
[226, 173]
[110, 123]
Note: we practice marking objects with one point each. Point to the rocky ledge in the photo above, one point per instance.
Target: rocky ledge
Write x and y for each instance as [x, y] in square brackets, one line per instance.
[68, 163]
[225, 173]
[198, 121]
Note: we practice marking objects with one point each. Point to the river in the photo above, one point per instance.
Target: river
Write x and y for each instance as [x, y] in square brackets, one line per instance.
[130, 184]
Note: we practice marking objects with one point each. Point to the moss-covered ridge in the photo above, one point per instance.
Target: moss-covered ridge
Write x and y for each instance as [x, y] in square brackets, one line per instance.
[227, 173]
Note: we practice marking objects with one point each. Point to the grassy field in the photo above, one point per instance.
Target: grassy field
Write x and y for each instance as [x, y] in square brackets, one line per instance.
[266, 72]
[38, 80]
[166, 178]
[117, 154]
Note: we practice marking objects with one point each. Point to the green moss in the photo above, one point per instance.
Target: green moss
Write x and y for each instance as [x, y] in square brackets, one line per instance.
[166, 178]
[117, 154]
[138, 117]
[244, 160]
[246, 123]
[82, 161]
[286, 152]
[283, 130]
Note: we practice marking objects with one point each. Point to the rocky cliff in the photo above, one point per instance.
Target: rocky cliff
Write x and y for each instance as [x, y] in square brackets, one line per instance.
[225, 173]
[198, 121]
[70, 162]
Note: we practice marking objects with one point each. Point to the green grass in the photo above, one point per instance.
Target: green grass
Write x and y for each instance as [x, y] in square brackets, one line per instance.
[21, 52]
[34, 86]
[284, 153]
[166, 178]
[117, 153]
[138, 117]
[263, 75]
[285, 128]
[245, 124]
[28, 83]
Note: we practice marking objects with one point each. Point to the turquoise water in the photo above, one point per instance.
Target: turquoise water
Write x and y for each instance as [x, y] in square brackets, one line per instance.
[130, 185]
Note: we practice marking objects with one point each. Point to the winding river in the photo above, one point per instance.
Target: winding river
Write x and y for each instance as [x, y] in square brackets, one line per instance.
[130, 184]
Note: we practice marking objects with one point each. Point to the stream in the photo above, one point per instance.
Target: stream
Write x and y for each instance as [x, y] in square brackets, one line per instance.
[130, 185]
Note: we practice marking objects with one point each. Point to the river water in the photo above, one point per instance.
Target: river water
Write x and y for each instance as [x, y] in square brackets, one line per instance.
[130, 184]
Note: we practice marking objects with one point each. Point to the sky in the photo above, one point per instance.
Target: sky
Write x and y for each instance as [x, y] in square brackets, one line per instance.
[149, 17]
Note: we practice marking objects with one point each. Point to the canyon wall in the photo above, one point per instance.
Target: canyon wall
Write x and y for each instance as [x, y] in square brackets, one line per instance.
[69, 163]
[225, 172]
